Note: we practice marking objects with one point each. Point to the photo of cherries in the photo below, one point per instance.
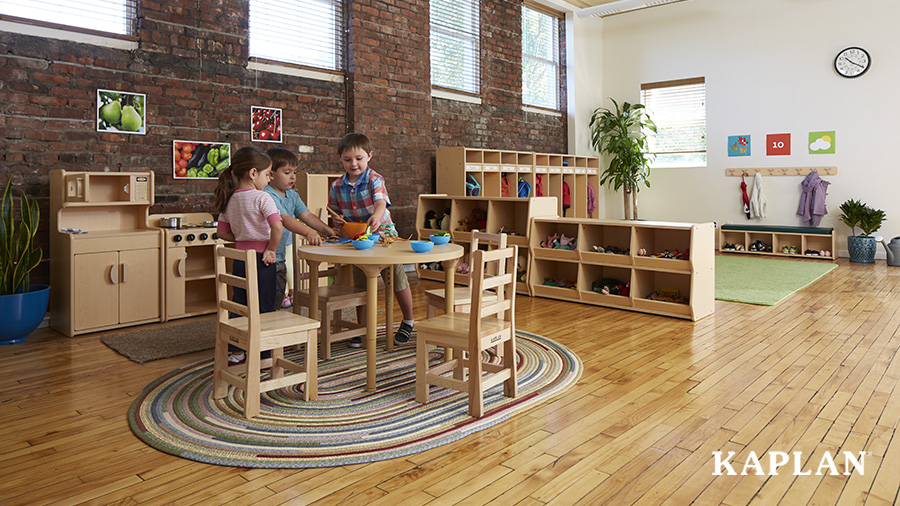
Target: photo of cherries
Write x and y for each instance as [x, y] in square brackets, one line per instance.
[265, 124]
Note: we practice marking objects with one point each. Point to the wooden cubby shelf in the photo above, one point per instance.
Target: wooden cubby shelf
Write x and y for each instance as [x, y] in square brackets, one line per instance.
[800, 238]
[545, 174]
[499, 214]
[692, 277]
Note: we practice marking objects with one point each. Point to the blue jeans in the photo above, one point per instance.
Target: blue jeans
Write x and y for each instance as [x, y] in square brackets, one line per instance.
[265, 280]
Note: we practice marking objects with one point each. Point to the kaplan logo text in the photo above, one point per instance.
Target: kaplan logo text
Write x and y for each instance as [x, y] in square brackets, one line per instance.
[771, 462]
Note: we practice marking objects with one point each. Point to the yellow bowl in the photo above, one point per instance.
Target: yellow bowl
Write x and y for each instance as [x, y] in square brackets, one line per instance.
[352, 229]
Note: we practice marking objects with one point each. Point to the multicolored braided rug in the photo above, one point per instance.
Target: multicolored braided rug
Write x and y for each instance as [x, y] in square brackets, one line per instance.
[346, 425]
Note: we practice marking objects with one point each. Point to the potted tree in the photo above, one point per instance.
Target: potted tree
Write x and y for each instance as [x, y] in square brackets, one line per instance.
[622, 134]
[857, 214]
[22, 304]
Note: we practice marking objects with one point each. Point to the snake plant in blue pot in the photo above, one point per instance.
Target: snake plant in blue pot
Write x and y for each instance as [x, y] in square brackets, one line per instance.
[22, 304]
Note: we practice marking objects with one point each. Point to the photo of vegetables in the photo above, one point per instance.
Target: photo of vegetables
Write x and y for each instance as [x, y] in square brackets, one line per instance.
[199, 160]
[265, 124]
[121, 112]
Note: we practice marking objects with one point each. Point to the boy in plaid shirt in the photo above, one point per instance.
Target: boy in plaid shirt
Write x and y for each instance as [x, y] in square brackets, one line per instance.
[361, 196]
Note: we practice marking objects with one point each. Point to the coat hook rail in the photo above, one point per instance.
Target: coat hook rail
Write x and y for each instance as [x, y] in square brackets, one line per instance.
[782, 171]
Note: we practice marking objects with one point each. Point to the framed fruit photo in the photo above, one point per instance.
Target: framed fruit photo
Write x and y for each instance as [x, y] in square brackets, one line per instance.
[265, 124]
[199, 160]
[121, 112]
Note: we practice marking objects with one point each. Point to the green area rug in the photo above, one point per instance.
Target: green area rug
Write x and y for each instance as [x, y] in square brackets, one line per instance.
[764, 281]
[176, 413]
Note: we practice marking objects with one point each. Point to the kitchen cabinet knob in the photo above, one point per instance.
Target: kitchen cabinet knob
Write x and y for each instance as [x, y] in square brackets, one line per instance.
[114, 274]
[179, 267]
[125, 270]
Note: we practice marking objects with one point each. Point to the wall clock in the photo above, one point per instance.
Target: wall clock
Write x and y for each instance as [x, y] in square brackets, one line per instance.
[852, 62]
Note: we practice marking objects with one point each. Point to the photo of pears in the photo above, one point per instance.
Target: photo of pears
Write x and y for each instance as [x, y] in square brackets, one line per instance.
[122, 112]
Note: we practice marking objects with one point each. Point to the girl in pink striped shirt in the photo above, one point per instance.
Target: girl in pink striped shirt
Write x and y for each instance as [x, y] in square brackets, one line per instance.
[248, 216]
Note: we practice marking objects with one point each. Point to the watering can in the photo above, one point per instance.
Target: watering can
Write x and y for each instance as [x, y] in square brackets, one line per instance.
[893, 251]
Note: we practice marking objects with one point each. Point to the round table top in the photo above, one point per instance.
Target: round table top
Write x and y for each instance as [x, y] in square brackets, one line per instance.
[399, 252]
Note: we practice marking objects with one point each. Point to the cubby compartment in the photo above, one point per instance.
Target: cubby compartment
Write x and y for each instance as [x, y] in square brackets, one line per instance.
[657, 240]
[439, 207]
[765, 237]
[542, 230]
[547, 275]
[467, 215]
[610, 238]
[511, 217]
[490, 185]
[819, 243]
[738, 239]
[787, 244]
[593, 275]
[662, 292]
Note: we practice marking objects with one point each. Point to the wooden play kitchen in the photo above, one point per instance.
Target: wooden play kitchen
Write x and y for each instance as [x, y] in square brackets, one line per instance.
[104, 258]
[114, 265]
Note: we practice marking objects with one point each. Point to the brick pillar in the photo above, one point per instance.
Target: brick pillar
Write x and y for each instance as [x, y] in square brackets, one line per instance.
[390, 94]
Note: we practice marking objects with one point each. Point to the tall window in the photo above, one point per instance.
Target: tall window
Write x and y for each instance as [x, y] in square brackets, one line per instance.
[106, 17]
[540, 58]
[301, 32]
[455, 47]
[679, 110]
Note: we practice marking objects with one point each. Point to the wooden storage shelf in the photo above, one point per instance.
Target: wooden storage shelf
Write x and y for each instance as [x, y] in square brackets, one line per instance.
[457, 165]
[693, 278]
[500, 214]
[777, 237]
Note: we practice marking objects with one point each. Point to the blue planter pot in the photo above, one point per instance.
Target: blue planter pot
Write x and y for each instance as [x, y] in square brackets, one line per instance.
[861, 249]
[22, 313]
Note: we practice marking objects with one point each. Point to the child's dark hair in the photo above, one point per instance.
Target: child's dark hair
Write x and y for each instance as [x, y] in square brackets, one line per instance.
[242, 161]
[354, 140]
[282, 157]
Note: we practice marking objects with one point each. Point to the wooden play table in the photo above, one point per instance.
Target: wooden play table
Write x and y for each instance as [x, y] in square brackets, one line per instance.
[372, 261]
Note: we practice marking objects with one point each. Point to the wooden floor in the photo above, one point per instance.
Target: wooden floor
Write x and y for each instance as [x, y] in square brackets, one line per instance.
[817, 373]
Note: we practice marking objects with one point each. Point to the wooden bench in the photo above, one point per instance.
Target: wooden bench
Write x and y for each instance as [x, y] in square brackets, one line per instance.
[744, 238]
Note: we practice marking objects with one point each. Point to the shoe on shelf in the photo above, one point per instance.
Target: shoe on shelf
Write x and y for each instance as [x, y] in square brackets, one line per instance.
[785, 249]
[402, 334]
[355, 342]
[793, 250]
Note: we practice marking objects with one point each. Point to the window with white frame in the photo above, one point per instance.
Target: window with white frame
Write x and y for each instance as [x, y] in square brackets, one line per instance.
[540, 58]
[455, 45]
[679, 110]
[308, 33]
[103, 17]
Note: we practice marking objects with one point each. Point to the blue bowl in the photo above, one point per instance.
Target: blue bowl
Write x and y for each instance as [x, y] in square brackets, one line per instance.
[440, 239]
[373, 236]
[421, 246]
[363, 243]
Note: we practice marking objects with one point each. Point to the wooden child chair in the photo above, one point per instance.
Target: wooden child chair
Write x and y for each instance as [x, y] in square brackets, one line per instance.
[333, 299]
[254, 333]
[486, 326]
[462, 296]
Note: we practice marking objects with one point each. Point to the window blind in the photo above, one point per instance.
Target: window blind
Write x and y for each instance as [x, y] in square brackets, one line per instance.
[112, 17]
[301, 32]
[679, 110]
[455, 45]
[540, 59]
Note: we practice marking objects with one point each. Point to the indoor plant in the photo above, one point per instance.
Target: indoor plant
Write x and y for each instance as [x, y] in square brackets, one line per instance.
[622, 134]
[22, 304]
[857, 214]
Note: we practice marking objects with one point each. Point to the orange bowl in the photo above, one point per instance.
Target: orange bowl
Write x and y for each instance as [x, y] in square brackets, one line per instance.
[352, 229]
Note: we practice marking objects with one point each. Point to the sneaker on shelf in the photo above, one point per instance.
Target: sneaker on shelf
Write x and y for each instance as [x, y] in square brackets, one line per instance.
[793, 250]
[403, 333]
[237, 358]
[785, 249]
[355, 342]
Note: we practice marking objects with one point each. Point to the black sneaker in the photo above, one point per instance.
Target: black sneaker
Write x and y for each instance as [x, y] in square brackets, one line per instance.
[402, 335]
[355, 342]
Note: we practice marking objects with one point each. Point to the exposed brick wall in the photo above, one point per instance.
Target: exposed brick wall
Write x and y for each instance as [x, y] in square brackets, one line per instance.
[192, 64]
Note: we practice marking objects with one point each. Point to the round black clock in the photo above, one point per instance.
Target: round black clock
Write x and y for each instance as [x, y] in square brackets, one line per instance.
[852, 62]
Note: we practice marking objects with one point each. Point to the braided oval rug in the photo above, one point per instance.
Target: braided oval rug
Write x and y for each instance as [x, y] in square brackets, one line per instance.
[346, 425]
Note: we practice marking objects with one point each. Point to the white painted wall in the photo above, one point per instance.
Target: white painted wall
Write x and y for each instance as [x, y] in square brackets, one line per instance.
[768, 69]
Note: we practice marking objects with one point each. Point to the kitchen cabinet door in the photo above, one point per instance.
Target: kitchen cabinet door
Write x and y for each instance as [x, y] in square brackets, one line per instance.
[139, 282]
[96, 290]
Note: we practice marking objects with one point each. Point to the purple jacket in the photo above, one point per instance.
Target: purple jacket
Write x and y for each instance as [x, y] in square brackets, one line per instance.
[812, 199]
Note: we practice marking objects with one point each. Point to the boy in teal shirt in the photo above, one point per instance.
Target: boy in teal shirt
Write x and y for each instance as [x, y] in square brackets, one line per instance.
[295, 215]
